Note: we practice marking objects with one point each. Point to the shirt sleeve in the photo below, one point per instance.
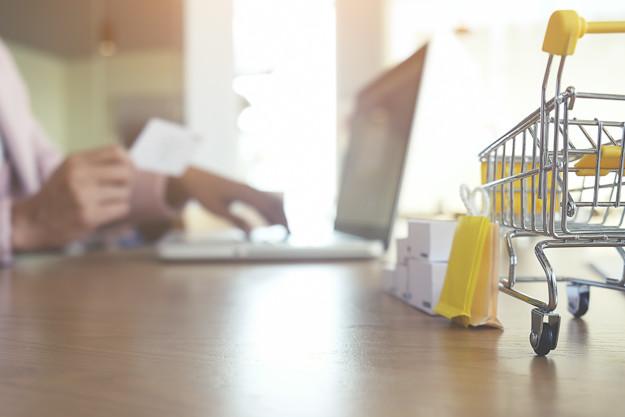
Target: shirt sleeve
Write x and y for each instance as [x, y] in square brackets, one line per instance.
[47, 154]
[6, 252]
[148, 201]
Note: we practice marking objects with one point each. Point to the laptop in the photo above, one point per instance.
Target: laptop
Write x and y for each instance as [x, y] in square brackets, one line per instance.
[369, 187]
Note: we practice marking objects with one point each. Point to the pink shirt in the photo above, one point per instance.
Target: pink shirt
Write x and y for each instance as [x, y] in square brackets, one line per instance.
[27, 158]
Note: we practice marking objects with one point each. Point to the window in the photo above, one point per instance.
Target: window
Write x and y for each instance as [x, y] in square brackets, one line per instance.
[284, 56]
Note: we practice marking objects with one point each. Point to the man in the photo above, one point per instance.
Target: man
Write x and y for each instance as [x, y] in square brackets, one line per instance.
[47, 202]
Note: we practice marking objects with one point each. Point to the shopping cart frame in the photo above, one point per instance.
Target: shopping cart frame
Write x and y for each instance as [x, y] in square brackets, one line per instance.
[530, 191]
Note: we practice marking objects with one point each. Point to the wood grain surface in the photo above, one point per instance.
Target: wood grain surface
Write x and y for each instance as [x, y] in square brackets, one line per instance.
[124, 335]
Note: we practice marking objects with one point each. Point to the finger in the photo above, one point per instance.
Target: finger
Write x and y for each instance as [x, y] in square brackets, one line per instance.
[108, 213]
[93, 215]
[111, 194]
[110, 174]
[95, 195]
[282, 220]
[108, 155]
[277, 213]
[271, 208]
[275, 216]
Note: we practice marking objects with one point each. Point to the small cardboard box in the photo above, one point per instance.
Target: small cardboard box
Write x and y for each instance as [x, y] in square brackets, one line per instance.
[430, 240]
[403, 251]
[425, 282]
[389, 280]
[401, 282]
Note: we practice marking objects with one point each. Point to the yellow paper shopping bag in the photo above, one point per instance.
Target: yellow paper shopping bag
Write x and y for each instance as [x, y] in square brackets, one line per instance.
[469, 294]
[484, 307]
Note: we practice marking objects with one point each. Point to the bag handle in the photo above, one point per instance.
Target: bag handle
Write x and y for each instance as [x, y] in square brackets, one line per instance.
[474, 206]
[565, 27]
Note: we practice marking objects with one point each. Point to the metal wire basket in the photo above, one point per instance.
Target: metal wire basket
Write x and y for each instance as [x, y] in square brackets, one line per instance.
[557, 176]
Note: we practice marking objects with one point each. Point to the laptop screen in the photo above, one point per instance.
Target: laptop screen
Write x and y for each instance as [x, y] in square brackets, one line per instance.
[374, 163]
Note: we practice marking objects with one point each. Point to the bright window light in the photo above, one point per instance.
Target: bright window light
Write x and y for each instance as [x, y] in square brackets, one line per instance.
[482, 76]
[285, 78]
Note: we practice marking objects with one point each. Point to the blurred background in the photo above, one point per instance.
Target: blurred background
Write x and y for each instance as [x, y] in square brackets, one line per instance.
[270, 84]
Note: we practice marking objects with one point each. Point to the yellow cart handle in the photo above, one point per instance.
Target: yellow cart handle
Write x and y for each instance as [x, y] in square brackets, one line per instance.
[605, 27]
[566, 27]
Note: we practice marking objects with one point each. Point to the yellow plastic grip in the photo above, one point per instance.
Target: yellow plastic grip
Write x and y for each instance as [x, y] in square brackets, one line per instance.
[566, 27]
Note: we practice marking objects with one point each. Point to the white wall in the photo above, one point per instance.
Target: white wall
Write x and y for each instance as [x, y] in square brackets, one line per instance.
[86, 112]
[210, 103]
[47, 80]
[360, 52]
[74, 98]
[154, 72]
[209, 71]
[361, 39]
[97, 84]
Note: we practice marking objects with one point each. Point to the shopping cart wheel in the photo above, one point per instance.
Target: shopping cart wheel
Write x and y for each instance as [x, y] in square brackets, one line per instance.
[544, 334]
[579, 299]
[544, 343]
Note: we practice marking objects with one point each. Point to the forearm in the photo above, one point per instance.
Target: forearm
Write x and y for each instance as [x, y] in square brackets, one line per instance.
[181, 189]
[156, 204]
[154, 197]
[176, 194]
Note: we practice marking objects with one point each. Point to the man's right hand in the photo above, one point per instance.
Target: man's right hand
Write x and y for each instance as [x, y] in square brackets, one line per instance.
[88, 190]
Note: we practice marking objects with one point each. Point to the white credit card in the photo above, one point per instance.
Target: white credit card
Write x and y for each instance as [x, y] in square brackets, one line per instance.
[164, 147]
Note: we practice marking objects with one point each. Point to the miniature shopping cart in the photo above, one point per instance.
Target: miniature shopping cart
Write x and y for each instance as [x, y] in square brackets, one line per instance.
[558, 176]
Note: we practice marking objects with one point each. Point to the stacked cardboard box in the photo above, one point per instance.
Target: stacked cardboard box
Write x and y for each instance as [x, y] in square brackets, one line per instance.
[419, 273]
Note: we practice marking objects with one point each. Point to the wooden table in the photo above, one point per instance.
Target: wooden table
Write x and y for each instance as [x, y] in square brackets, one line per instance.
[124, 335]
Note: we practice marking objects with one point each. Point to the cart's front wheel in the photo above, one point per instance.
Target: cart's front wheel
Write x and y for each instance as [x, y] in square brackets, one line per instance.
[543, 343]
[579, 299]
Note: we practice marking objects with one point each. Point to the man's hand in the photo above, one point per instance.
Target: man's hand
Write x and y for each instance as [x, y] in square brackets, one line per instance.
[88, 190]
[217, 194]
